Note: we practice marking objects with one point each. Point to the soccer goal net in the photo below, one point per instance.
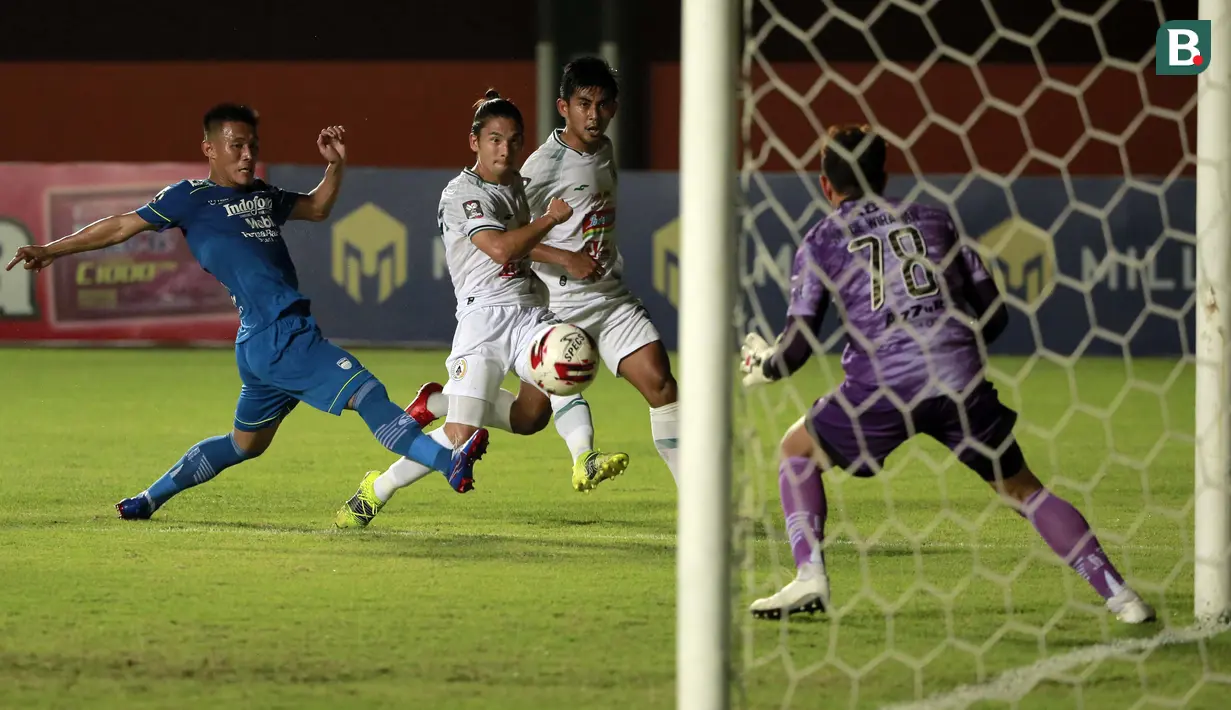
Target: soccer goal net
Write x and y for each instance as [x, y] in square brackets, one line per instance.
[1079, 175]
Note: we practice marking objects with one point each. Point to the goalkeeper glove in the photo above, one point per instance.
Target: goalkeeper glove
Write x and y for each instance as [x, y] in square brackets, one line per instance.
[753, 355]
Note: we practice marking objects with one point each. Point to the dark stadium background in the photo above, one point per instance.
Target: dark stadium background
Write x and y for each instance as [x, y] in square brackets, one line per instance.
[127, 80]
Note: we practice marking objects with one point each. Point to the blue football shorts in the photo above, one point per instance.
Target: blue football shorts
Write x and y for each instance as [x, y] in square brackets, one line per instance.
[291, 362]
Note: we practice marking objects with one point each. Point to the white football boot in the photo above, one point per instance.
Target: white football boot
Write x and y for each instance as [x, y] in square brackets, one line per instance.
[808, 592]
[1130, 608]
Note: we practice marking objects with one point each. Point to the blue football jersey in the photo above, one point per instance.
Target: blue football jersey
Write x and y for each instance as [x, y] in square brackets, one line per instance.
[235, 234]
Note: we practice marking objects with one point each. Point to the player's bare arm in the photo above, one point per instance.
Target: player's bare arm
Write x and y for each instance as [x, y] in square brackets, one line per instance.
[578, 264]
[317, 205]
[99, 235]
[504, 247]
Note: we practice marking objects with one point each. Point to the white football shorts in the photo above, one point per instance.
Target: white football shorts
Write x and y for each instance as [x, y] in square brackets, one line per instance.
[490, 342]
[621, 326]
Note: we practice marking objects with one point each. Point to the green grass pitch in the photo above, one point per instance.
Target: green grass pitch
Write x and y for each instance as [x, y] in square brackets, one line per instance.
[525, 594]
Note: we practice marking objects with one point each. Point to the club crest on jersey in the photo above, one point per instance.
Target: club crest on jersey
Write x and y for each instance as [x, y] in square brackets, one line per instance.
[345, 364]
[472, 209]
[459, 369]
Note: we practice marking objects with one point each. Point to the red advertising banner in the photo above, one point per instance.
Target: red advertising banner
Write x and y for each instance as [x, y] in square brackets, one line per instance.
[148, 289]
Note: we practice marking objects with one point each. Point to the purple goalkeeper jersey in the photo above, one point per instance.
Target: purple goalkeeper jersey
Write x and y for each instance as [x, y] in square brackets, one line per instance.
[898, 273]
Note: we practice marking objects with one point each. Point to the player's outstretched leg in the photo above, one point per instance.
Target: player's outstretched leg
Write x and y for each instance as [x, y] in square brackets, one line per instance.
[649, 370]
[399, 433]
[202, 462]
[805, 509]
[359, 510]
[377, 488]
[987, 424]
[1067, 533]
[574, 423]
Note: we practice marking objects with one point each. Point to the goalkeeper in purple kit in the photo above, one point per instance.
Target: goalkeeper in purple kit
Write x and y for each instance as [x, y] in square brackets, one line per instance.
[915, 304]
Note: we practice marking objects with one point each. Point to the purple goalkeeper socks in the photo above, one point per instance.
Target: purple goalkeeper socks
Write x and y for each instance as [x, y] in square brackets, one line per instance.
[1064, 529]
[803, 504]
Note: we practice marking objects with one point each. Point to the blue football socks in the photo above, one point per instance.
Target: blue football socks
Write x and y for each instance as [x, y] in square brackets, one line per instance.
[396, 430]
[202, 462]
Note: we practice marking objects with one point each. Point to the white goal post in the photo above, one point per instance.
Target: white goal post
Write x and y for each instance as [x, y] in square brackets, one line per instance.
[709, 244]
[709, 48]
[1212, 497]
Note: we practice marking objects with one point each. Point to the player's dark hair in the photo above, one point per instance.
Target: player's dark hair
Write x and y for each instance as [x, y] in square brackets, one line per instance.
[589, 73]
[851, 150]
[492, 105]
[229, 113]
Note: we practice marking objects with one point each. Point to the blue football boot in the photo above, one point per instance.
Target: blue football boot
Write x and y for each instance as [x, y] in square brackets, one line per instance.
[139, 507]
[461, 473]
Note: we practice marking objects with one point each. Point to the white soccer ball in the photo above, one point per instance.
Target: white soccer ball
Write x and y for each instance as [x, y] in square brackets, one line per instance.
[563, 360]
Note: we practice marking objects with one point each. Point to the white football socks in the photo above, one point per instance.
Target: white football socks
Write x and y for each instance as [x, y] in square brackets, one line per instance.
[497, 415]
[438, 405]
[574, 423]
[404, 472]
[665, 428]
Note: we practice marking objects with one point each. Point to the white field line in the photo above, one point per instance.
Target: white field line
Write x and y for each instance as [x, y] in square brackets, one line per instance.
[1013, 685]
[579, 536]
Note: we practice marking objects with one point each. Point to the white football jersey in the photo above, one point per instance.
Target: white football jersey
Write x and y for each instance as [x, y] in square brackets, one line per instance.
[470, 205]
[587, 182]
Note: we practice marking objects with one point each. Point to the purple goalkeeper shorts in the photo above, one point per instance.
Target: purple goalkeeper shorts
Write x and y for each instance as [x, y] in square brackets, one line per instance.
[858, 428]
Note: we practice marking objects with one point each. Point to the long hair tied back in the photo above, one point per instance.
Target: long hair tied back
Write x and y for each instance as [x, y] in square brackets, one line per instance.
[492, 105]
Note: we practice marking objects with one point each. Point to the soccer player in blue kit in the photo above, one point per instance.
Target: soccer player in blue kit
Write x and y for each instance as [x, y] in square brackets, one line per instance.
[232, 221]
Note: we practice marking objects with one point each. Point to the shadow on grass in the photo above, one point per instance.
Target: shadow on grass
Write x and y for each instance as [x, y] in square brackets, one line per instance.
[534, 544]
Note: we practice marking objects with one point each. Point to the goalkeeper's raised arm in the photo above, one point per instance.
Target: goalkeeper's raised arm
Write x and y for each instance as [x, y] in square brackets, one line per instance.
[762, 362]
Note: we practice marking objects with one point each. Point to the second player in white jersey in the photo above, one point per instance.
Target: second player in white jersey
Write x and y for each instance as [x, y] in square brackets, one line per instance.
[580, 259]
[587, 182]
[600, 303]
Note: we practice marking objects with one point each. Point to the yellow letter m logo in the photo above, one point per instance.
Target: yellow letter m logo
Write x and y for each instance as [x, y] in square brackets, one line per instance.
[666, 257]
[1022, 259]
[369, 243]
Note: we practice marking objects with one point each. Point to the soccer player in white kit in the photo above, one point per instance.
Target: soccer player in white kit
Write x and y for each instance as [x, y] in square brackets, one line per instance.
[580, 260]
[485, 223]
